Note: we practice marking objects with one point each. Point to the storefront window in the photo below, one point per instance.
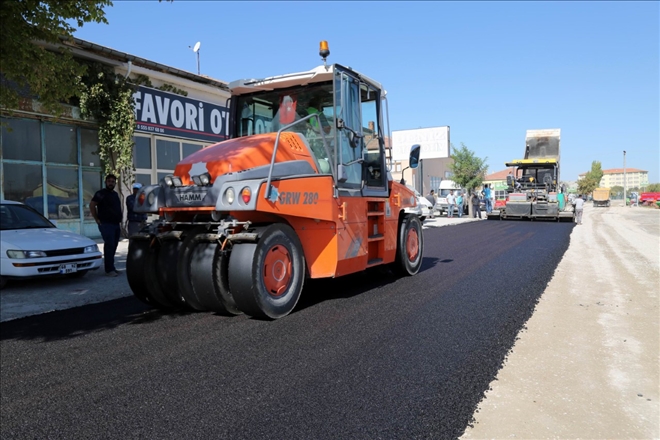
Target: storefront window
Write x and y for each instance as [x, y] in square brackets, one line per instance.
[168, 154]
[92, 182]
[144, 179]
[62, 190]
[189, 149]
[22, 183]
[142, 152]
[21, 139]
[89, 144]
[61, 144]
[161, 175]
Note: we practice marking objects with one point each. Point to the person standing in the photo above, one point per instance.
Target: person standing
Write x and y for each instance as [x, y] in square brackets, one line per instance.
[487, 199]
[459, 204]
[475, 205]
[135, 219]
[579, 208]
[106, 210]
[431, 198]
[451, 200]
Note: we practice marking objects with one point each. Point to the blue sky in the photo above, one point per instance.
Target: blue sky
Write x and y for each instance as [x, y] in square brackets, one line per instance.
[489, 70]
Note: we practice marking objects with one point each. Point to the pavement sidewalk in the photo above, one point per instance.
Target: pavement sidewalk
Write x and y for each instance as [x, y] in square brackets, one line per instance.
[21, 298]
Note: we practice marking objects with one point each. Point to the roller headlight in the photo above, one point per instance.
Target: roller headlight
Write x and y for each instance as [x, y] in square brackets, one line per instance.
[230, 195]
[205, 178]
[176, 181]
[168, 180]
[151, 198]
[197, 180]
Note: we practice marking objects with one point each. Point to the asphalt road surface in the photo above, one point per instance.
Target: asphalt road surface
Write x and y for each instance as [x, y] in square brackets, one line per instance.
[365, 356]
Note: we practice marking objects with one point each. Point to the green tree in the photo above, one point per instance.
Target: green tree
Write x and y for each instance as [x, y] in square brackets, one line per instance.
[596, 171]
[587, 184]
[652, 187]
[616, 191]
[469, 171]
[29, 68]
[592, 179]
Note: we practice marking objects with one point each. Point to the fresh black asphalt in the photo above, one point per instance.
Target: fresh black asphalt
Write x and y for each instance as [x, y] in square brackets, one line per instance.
[363, 357]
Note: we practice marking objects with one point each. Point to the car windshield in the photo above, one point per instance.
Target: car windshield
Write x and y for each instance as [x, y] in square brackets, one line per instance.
[445, 192]
[21, 217]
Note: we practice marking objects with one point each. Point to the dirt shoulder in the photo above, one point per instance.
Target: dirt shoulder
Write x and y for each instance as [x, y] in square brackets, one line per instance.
[587, 366]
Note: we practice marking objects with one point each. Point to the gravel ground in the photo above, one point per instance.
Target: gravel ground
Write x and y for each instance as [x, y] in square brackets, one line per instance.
[587, 365]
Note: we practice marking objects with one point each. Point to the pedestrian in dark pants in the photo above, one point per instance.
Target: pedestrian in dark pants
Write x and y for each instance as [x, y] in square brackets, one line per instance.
[135, 219]
[475, 205]
[106, 210]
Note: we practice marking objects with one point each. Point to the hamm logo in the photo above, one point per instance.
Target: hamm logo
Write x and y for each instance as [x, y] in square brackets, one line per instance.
[190, 198]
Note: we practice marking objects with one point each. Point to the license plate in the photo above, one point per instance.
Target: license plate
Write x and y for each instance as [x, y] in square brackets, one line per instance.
[68, 268]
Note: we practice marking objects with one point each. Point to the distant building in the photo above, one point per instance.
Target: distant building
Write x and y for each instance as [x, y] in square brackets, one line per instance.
[497, 182]
[53, 164]
[635, 178]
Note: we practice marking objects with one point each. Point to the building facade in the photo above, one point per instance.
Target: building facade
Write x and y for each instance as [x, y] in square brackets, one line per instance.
[497, 182]
[53, 164]
[634, 178]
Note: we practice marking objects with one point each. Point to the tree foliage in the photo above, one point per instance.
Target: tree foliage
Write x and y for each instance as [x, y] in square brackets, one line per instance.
[616, 191]
[652, 187]
[108, 98]
[591, 180]
[587, 184]
[596, 171]
[29, 68]
[469, 170]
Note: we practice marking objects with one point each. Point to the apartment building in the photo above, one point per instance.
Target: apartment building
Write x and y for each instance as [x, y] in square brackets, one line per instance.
[635, 178]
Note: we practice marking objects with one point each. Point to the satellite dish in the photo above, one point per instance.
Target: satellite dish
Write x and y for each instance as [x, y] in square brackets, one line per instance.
[197, 45]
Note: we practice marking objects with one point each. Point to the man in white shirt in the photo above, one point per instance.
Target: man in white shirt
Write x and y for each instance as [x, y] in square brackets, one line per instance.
[579, 207]
[451, 201]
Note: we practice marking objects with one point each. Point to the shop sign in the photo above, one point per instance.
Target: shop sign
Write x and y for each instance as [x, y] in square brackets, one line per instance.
[169, 114]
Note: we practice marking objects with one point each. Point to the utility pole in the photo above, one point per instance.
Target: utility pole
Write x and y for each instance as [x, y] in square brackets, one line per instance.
[624, 178]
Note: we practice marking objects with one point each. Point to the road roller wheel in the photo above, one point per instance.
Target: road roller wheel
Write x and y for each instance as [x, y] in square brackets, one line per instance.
[166, 262]
[266, 278]
[410, 246]
[156, 291]
[136, 261]
[183, 270]
[208, 276]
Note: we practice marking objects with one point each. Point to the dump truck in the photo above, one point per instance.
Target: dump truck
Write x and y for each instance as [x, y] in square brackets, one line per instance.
[533, 189]
[301, 190]
[601, 197]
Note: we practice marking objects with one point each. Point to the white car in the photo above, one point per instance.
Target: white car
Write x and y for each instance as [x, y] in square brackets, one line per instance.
[424, 208]
[32, 246]
[427, 207]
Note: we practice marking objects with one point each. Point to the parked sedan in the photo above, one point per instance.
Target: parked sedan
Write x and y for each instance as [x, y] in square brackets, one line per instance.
[32, 246]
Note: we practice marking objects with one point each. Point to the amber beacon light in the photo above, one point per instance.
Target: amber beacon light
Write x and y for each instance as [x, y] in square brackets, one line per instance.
[324, 50]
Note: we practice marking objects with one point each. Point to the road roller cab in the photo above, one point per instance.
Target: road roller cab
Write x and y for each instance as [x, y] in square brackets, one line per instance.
[300, 190]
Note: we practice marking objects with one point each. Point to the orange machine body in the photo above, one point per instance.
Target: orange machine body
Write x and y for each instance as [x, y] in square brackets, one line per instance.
[339, 234]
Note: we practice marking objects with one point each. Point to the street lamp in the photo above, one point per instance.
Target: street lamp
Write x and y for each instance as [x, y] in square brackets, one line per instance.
[196, 50]
[624, 178]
